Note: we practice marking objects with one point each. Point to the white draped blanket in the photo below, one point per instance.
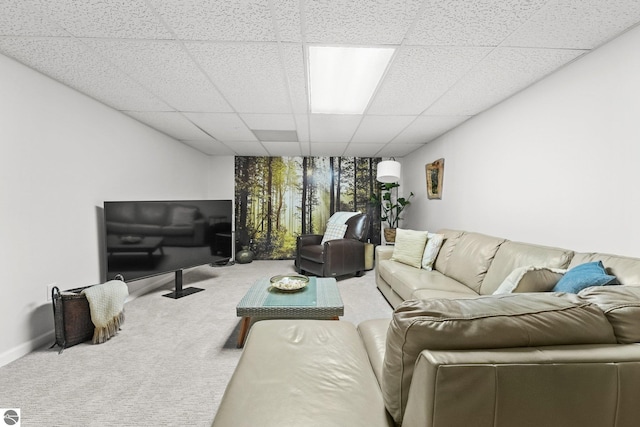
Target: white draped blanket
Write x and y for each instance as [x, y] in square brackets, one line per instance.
[106, 303]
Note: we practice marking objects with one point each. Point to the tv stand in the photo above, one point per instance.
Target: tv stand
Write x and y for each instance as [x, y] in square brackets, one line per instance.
[179, 292]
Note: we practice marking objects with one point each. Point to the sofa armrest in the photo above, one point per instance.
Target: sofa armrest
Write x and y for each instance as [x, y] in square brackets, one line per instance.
[309, 239]
[342, 256]
[383, 252]
[585, 385]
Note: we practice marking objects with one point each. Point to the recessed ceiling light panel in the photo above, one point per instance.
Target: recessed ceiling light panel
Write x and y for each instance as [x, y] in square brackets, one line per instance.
[343, 79]
[276, 135]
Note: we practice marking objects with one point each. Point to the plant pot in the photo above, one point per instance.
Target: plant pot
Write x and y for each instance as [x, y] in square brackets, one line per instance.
[390, 235]
[245, 256]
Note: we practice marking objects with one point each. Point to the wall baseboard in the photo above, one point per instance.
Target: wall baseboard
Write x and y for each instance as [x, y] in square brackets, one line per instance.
[48, 338]
[17, 352]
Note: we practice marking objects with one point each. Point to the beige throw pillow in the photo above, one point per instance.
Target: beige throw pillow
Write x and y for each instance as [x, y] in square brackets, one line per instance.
[530, 279]
[434, 242]
[409, 247]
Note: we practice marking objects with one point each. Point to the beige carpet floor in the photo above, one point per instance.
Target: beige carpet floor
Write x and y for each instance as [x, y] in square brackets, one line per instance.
[170, 363]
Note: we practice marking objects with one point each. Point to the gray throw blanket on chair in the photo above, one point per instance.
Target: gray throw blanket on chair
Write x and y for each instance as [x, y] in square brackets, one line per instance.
[106, 303]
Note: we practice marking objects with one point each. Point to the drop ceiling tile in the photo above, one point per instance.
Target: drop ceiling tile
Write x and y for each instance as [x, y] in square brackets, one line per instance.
[363, 150]
[269, 121]
[247, 148]
[427, 128]
[294, 66]
[577, 24]
[107, 18]
[73, 64]
[328, 148]
[333, 127]
[380, 128]
[471, 23]
[420, 75]
[284, 149]
[230, 20]
[222, 126]
[341, 21]
[25, 18]
[249, 75]
[503, 73]
[166, 69]
[398, 150]
[287, 16]
[212, 148]
[172, 123]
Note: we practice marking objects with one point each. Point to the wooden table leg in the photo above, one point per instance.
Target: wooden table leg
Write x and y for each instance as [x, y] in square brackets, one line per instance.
[244, 328]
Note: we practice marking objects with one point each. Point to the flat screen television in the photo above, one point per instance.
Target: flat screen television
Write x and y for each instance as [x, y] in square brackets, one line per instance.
[147, 238]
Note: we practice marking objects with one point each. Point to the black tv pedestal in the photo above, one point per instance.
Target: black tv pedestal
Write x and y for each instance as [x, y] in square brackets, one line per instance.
[179, 292]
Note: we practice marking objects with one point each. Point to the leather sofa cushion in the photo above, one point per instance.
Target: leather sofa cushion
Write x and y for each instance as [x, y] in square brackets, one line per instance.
[471, 258]
[405, 279]
[121, 212]
[500, 321]
[151, 213]
[437, 293]
[302, 373]
[512, 255]
[451, 238]
[374, 336]
[183, 215]
[626, 270]
[621, 305]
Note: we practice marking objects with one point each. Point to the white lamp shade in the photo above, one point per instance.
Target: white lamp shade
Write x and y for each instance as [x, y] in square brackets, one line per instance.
[388, 171]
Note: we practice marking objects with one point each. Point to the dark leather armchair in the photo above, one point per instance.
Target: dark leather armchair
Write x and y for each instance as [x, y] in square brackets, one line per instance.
[335, 257]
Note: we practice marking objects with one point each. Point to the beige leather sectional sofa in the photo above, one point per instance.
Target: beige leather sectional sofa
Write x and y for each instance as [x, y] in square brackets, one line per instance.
[472, 264]
[453, 355]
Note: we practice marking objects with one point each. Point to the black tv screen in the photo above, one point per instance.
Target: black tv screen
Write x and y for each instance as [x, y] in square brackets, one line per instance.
[146, 238]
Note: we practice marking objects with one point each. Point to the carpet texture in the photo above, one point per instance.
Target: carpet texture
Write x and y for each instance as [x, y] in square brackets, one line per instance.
[170, 363]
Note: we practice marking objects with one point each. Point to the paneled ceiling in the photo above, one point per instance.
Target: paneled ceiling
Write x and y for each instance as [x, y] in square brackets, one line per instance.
[209, 73]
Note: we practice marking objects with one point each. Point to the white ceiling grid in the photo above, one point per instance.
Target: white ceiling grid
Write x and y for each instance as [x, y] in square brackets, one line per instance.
[209, 72]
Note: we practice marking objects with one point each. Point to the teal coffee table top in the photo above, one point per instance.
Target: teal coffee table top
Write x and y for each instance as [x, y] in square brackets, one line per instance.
[320, 299]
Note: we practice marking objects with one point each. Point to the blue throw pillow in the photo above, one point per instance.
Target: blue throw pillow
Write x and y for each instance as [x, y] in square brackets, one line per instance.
[584, 276]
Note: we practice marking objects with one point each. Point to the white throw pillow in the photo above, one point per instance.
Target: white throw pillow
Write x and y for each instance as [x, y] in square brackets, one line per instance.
[530, 279]
[434, 242]
[409, 247]
[334, 231]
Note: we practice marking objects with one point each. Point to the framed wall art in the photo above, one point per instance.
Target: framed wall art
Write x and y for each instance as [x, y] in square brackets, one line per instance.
[435, 172]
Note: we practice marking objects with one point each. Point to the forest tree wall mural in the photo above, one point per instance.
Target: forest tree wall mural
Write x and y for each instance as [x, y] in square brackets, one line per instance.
[279, 198]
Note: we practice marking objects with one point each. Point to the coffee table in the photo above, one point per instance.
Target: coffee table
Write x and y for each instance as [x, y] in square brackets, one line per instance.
[319, 300]
[146, 244]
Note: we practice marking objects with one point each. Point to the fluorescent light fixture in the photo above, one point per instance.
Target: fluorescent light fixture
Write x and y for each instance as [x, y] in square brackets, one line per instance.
[343, 79]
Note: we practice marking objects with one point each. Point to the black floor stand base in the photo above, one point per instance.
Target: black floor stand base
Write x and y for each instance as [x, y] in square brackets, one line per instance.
[179, 292]
[182, 293]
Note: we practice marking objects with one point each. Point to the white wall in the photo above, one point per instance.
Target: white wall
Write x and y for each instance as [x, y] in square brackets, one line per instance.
[62, 154]
[222, 177]
[557, 164]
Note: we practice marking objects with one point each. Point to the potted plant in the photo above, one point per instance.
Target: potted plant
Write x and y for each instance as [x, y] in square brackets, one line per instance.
[390, 208]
